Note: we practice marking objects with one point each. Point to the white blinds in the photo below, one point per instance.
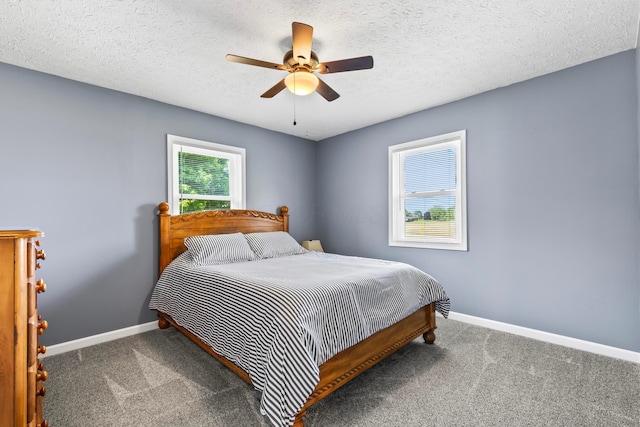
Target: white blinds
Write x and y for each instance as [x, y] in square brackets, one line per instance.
[205, 175]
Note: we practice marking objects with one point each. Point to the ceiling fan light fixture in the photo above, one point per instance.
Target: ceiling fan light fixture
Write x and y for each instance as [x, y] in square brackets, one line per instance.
[301, 82]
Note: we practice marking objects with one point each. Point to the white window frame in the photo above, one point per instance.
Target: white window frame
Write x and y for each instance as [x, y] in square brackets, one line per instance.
[397, 218]
[237, 166]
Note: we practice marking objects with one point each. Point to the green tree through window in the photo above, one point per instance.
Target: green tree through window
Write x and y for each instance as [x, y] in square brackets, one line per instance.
[203, 175]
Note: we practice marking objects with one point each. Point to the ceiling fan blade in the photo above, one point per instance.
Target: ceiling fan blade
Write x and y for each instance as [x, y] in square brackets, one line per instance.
[276, 89]
[352, 64]
[256, 62]
[326, 92]
[302, 38]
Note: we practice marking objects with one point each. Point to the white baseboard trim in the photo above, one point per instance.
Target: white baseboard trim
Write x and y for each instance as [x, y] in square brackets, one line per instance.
[52, 350]
[604, 350]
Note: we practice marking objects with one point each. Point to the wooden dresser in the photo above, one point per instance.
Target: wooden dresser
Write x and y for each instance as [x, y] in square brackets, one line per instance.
[21, 373]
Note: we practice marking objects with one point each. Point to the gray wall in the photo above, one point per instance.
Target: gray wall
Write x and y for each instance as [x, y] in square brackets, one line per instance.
[553, 201]
[88, 166]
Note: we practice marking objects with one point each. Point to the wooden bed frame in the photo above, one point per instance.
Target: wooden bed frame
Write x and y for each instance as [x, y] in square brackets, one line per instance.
[336, 371]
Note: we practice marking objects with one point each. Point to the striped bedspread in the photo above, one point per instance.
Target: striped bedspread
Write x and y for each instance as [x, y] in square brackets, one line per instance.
[280, 318]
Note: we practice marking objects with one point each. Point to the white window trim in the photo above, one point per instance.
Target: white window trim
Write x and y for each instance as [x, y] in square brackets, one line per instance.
[396, 189]
[237, 167]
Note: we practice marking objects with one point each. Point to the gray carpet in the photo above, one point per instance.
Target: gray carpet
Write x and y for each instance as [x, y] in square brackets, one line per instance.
[471, 376]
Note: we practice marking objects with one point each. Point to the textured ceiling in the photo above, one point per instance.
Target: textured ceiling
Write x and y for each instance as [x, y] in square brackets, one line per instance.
[426, 52]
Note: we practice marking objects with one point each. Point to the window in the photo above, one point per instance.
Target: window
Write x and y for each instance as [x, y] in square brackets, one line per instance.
[204, 175]
[427, 195]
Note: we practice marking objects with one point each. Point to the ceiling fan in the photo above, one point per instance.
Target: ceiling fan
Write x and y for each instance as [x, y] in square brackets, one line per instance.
[301, 63]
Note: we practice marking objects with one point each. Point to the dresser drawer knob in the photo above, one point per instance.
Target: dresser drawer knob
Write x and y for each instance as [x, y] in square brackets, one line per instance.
[42, 391]
[42, 349]
[44, 423]
[40, 254]
[42, 326]
[41, 286]
[42, 376]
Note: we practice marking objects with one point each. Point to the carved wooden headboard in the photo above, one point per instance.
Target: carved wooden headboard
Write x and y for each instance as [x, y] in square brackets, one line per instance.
[174, 228]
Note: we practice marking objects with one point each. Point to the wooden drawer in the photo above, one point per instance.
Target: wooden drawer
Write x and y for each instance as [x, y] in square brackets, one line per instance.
[21, 374]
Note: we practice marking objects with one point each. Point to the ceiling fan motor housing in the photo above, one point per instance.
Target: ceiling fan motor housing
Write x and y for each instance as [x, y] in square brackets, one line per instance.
[296, 63]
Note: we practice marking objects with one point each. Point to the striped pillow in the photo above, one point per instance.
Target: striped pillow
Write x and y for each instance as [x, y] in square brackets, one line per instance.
[272, 244]
[214, 249]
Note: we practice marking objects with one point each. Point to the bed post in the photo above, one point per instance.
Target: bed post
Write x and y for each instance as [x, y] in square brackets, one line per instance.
[165, 252]
[284, 211]
[299, 420]
[165, 223]
[430, 335]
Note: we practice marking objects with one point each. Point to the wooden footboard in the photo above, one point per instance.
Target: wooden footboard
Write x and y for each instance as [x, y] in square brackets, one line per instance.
[349, 363]
[355, 360]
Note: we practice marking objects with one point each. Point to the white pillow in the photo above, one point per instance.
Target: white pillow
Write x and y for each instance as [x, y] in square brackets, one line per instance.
[272, 244]
[214, 249]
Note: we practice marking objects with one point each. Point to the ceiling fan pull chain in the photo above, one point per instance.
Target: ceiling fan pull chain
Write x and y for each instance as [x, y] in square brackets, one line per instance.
[294, 99]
